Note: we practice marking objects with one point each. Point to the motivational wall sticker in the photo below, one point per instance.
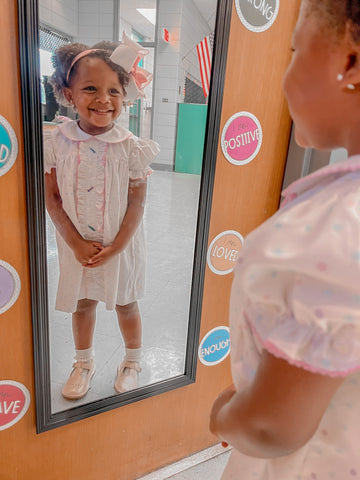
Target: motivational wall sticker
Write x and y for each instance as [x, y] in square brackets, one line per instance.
[223, 252]
[241, 138]
[9, 286]
[14, 402]
[257, 15]
[215, 346]
[8, 146]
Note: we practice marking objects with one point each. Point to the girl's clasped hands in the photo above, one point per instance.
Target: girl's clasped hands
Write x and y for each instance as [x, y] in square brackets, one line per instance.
[93, 254]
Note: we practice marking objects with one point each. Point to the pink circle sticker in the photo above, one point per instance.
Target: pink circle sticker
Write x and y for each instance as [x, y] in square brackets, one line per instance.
[14, 402]
[241, 138]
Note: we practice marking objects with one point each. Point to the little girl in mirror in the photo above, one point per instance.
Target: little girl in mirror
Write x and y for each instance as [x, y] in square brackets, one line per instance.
[95, 182]
[294, 413]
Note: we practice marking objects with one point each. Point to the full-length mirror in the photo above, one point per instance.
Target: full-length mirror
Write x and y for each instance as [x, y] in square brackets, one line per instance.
[116, 315]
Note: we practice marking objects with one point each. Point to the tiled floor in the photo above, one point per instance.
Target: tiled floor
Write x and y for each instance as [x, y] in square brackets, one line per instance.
[170, 223]
[206, 465]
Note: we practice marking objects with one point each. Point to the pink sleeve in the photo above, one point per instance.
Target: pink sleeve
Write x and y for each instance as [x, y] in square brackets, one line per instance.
[142, 153]
[48, 151]
[297, 283]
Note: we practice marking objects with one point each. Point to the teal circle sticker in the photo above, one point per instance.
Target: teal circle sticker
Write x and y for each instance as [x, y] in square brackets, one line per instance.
[8, 146]
[215, 346]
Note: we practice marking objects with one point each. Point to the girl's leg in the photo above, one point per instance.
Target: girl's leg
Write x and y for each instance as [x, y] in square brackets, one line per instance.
[130, 325]
[83, 324]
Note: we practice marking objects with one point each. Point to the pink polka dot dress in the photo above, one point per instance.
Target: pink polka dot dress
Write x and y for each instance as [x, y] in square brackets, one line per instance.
[93, 174]
[296, 293]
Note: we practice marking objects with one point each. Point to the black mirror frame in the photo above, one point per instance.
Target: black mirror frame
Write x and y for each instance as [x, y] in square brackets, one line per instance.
[32, 130]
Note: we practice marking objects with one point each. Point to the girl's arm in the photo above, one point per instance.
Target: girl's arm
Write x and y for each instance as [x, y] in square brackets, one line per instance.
[83, 249]
[278, 413]
[130, 223]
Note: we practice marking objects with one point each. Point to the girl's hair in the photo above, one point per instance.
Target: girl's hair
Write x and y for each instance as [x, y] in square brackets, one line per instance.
[335, 14]
[64, 56]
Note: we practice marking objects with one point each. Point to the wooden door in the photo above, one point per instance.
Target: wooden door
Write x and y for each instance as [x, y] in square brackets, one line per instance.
[126, 443]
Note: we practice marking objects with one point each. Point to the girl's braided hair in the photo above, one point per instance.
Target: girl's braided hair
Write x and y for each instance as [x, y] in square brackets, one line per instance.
[64, 56]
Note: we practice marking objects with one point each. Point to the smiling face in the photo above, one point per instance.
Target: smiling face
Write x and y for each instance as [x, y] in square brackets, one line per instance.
[97, 94]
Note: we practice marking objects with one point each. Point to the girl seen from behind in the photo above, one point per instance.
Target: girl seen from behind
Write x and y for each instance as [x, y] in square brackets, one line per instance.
[293, 411]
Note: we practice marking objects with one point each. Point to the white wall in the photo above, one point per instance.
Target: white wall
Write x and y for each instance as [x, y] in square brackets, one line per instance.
[61, 15]
[187, 28]
[96, 21]
[166, 80]
[86, 21]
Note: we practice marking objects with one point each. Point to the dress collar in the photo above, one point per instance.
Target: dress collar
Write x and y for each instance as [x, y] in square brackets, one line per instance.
[71, 130]
[326, 173]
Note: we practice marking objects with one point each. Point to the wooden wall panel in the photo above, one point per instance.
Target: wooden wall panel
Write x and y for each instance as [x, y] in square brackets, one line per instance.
[15, 324]
[245, 195]
[128, 442]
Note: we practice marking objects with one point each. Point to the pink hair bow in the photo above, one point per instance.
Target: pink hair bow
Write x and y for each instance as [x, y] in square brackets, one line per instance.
[128, 54]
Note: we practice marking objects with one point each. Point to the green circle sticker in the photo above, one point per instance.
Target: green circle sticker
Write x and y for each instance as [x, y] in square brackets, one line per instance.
[8, 146]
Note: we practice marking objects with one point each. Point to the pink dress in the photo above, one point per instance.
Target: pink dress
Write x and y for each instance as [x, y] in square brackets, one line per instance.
[296, 293]
[93, 175]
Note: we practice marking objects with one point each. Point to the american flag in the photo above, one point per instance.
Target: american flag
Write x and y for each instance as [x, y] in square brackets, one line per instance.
[204, 50]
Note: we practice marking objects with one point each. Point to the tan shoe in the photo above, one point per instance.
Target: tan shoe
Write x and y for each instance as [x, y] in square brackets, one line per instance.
[78, 383]
[127, 376]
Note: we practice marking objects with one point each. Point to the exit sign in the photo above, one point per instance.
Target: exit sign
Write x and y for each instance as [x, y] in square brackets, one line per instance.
[166, 35]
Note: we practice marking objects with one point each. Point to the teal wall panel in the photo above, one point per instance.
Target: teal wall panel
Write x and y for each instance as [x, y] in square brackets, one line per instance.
[190, 138]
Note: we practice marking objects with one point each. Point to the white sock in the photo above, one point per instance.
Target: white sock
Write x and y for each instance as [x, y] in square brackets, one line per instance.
[133, 354]
[84, 355]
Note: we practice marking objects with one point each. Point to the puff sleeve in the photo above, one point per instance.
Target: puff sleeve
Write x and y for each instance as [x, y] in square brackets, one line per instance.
[142, 153]
[48, 149]
[297, 282]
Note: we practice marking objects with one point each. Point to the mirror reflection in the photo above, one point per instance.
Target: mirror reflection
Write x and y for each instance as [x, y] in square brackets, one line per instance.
[124, 250]
[304, 161]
